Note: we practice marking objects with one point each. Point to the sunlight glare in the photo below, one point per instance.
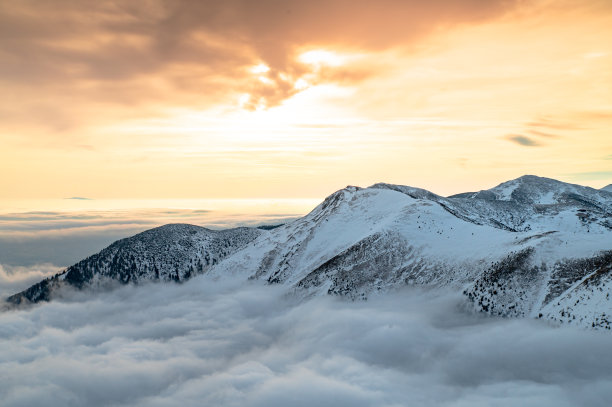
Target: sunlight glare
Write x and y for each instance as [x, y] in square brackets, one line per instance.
[260, 68]
[301, 84]
[265, 80]
[321, 57]
[244, 99]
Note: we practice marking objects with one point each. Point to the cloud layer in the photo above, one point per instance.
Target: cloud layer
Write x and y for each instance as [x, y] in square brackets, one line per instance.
[231, 344]
[114, 51]
[62, 238]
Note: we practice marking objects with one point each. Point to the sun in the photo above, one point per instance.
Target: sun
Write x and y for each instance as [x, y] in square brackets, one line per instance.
[321, 57]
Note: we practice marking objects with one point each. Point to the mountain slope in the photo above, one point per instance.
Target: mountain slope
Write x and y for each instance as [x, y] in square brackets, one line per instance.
[173, 252]
[526, 236]
[528, 247]
[363, 239]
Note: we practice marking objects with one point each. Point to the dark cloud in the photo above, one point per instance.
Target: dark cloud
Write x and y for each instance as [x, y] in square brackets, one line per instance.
[194, 53]
[234, 344]
[522, 140]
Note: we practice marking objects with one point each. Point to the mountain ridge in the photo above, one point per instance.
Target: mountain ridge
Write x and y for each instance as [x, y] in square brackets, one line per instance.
[513, 250]
[172, 252]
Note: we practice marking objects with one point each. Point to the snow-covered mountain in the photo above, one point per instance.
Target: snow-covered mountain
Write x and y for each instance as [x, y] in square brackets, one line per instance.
[173, 252]
[528, 247]
[607, 188]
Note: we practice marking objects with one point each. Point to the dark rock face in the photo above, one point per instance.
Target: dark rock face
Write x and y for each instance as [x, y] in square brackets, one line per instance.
[503, 289]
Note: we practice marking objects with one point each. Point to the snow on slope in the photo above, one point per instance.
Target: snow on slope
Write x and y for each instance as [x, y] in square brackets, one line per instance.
[359, 240]
[586, 298]
[362, 241]
[524, 248]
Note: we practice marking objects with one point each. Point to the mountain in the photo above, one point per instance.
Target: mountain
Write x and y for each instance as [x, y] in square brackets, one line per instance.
[528, 247]
[607, 188]
[512, 250]
[167, 253]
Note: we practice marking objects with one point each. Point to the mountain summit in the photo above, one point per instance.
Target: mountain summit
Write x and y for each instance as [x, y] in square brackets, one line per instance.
[174, 252]
[528, 247]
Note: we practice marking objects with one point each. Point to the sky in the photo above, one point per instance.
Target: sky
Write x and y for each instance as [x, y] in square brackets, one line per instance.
[118, 116]
[178, 99]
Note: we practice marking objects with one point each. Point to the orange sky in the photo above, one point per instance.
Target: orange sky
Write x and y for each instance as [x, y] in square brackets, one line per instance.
[260, 99]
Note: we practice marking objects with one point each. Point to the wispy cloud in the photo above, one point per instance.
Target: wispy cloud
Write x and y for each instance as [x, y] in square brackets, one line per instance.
[544, 134]
[557, 124]
[523, 140]
[591, 175]
[86, 87]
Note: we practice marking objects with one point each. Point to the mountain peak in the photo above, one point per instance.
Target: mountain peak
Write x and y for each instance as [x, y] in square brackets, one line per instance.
[534, 178]
[413, 192]
[173, 252]
[534, 190]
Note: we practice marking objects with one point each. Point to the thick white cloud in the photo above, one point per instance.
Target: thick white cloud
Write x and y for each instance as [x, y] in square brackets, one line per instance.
[14, 279]
[236, 344]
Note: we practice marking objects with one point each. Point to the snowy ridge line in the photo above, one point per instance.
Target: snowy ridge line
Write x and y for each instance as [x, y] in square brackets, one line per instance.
[515, 250]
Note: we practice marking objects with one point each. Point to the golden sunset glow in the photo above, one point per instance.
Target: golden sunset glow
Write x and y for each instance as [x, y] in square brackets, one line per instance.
[295, 99]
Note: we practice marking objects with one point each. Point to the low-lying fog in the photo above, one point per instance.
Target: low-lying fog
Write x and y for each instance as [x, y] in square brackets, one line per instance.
[206, 343]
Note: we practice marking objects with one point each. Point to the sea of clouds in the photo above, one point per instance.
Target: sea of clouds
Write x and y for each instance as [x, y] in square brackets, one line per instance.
[236, 343]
